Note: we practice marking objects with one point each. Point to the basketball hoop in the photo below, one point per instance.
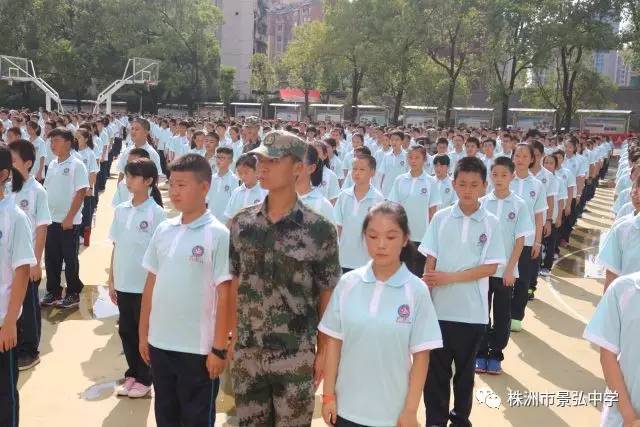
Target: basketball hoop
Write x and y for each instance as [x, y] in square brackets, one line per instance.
[10, 82]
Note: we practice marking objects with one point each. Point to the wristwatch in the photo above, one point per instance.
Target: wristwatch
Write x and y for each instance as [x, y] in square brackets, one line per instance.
[220, 354]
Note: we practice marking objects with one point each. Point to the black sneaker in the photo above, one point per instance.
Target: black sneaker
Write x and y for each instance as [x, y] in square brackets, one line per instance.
[27, 362]
[70, 300]
[50, 300]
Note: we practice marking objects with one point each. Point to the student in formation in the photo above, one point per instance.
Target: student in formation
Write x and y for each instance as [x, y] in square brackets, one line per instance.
[133, 225]
[32, 199]
[550, 163]
[441, 167]
[122, 193]
[329, 185]
[633, 207]
[515, 224]
[84, 147]
[16, 259]
[284, 261]
[614, 328]
[620, 252]
[381, 326]
[394, 163]
[419, 195]
[569, 181]
[457, 272]
[457, 153]
[223, 184]
[139, 133]
[250, 192]
[34, 131]
[198, 143]
[350, 210]
[532, 192]
[183, 329]
[308, 183]
[67, 183]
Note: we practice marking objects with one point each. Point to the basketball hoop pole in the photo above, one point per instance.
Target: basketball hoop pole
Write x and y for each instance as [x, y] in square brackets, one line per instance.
[134, 77]
[24, 70]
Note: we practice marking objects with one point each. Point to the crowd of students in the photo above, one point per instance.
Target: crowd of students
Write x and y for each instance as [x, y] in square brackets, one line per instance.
[305, 252]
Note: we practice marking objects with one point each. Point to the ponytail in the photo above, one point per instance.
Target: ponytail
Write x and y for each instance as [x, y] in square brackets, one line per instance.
[155, 193]
[17, 180]
[147, 169]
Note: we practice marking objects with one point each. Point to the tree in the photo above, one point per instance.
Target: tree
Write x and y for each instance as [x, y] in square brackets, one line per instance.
[225, 85]
[262, 77]
[451, 36]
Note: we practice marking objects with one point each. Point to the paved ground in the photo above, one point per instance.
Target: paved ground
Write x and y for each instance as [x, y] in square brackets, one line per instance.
[82, 357]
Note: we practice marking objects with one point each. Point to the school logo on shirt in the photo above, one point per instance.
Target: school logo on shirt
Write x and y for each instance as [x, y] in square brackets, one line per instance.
[423, 191]
[447, 190]
[226, 188]
[24, 204]
[403, 314]
[323, 184]
[144, 225]
[544, 180]
[532, 194]
[196, 253]
[482, 239]
[65, 171]
[401, 162]
[511, 216]
[256, 201]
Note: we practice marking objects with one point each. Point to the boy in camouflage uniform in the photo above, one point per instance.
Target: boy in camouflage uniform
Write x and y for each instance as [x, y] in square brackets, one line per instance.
[284, 262]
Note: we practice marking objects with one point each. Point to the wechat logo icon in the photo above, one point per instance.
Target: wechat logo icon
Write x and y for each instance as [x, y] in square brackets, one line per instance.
[486, 396]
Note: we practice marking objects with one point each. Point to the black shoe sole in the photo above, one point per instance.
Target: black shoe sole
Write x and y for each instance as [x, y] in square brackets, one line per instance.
[67, 307]
[29, 366]
[50, 304]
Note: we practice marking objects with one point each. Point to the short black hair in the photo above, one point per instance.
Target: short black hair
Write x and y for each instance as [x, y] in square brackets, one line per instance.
[362, 150]
[140, 152]
[442, 141]
[371, 161]
[224, 150]
[491, 141]
[63, 133]
[192, 163]
[471, 165]
[504, 161]
[537, 146]
[248, 160]
[441, 159]
[420, 149]
[25, 150]
[473, 140]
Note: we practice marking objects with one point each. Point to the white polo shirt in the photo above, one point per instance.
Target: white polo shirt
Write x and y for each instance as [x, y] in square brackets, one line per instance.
[478, 241]
[130, 232]
[189, 261]
[393, 165]
[33, 201]
[448, 195]
[63, 181]
[329, 186]
[380, 324]
[16, 248]
[243, 197]
[153, 155]
[620, 252]
[417, 195]
[316, 201]
[220, 192]
[532, 192]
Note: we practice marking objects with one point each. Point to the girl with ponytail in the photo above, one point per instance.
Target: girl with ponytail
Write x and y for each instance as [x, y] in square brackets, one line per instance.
[134, 222]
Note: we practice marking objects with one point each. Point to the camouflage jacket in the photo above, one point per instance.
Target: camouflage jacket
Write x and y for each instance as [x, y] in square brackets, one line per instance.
[282, 268]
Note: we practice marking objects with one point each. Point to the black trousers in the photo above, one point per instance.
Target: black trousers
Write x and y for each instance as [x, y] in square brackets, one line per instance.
[460, 346]
[163, 162]
[116, 147]
[497, 336]
[129, 307]
[9, 399]
[521, 288]
[101, 179]
[341, 422]
[535, 271]
[418, 262]
[550, 243]
[30, 323]
[184, 394]
[88, 207]
[605, 168]
[62, 245]
[569, 222]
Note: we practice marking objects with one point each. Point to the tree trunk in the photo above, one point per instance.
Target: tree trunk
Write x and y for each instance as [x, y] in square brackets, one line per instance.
[398, 102]
[356, 82]
[449, 106]
[306, 104]
[504, 118]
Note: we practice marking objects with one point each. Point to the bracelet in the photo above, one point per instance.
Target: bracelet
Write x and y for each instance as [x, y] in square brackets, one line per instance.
[328, 398]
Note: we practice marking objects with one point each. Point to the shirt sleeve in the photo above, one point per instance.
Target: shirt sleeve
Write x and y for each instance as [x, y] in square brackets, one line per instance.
[21, 245]
[337, 211]
[541, 200]
[524, 225]
[220, 257]
[495, 253]
[334, 189]
[151, 261]
[229, 210]
[122, 160]
[604, 328]
[393, 194]
[435, 198]
[43, 214]
[610, 256]
[430, 241]
[113, 229]
[80, 177]
[425, 331]
[331, 323]
[326, 266]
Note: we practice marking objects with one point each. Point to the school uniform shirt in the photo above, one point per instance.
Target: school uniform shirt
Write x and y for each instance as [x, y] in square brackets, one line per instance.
[623, 198]
[189, 261]
[626, 209]
[220, 192]
[620, 252]
[201, 151]
[623, 183]
[179, 145]
[575, 165]
[98, 146]
[347, 164]
[393, 165]
[349, 214]
[64, 179]
[89, 160]
[243, 197]
[614, 327]
[548, 180]
[41, 153]
[316, 201]
[33, 200]
[515, 222]
[532, 192]
[16, 248]
[122, 193]
[416, 195]
[49, 153]
[381, 325]
[335, 164]
[329, 186]
[454, 157]
[568, 180]
[131, 231]
[478, 241]
[448, 195]
[153, 155]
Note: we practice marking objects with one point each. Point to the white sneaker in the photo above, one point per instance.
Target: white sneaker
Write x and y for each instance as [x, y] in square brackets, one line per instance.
[125, 387]
[544, 272]
[139, 390]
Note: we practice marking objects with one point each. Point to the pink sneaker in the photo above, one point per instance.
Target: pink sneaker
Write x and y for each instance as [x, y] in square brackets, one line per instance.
[125, 387]
[139, 390]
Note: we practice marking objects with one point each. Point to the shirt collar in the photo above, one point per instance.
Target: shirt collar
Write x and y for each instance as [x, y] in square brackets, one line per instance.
[636, 221]
[492, 196]
[204, 219]
[295, 215]
[478, 215]
[351, 191]
[399, 278]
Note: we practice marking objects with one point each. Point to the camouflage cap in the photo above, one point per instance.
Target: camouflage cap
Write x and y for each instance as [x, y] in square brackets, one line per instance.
[252, 121]
[279, 143]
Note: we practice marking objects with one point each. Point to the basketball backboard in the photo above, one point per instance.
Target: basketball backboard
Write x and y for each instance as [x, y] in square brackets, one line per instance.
[145, 71]
[14, 68]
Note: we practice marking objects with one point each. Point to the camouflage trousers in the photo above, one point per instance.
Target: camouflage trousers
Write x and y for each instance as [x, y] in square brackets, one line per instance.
[273, 388]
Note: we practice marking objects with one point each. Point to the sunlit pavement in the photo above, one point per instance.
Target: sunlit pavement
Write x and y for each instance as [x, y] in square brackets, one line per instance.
[82, 357]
